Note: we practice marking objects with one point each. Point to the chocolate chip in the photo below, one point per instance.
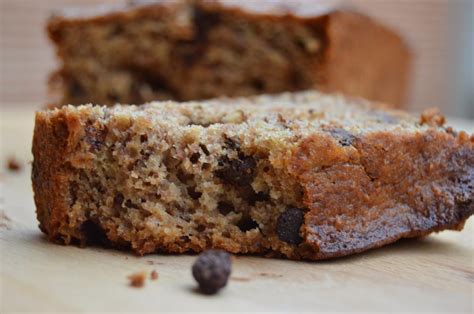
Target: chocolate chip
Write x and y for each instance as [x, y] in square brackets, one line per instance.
[113, 97]
[204, 22]
[195, 195]
[211, 270]
[289, 224]
[464, 191]
[194, 158]
[204, 149]
[184, 177]
[258, 84]
[93, 233]
[118, 200]
[225, 207]
[95, 137]
[75, 89]
[238, 172]
[232, 145]
[115, 30]
[258, 197]
[246, 223]
[185, 239]
[130, 204]
[462, 200]
[344, 137]
[200, 228]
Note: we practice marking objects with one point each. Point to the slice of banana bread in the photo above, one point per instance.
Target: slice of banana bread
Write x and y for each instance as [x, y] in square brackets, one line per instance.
[188, 50]
[298, 175]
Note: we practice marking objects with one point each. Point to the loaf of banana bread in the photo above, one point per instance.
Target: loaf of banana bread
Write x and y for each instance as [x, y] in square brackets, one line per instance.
[189, 50]
[300, 175]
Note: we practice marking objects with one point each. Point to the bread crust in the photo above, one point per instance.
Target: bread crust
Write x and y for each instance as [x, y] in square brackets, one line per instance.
[50, 175]
[357, 49]
[360, 192]
[384, 188]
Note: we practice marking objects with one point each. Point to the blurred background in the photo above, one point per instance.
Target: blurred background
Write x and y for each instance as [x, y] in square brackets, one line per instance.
[439, 32]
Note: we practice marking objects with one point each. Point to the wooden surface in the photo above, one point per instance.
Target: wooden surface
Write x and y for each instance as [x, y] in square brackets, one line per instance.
[430, 274]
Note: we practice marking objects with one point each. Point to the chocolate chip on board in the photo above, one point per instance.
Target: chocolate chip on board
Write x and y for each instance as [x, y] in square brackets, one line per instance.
[212, 270]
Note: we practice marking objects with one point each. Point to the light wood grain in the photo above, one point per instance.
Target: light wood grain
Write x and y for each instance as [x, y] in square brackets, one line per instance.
[430, 274]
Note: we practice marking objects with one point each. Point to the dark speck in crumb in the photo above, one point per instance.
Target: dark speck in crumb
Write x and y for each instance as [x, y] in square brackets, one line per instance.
[238, 172]
[345, 138]
[288, 225]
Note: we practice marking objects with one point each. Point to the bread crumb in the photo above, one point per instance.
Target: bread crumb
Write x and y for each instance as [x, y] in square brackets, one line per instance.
[137, 280]
[432, 117]
[13, 164]
[154, 275]
[464, 137]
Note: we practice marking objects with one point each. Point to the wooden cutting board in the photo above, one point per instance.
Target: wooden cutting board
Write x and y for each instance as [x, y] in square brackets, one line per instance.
[434, 273]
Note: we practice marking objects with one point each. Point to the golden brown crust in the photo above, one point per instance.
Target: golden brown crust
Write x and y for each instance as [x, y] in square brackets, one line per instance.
[48, 182]
[384, 188]
[53, 141]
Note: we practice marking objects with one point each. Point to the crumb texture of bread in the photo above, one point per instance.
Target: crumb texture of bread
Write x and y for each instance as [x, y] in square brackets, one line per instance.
[190, 50]
[303, 176]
